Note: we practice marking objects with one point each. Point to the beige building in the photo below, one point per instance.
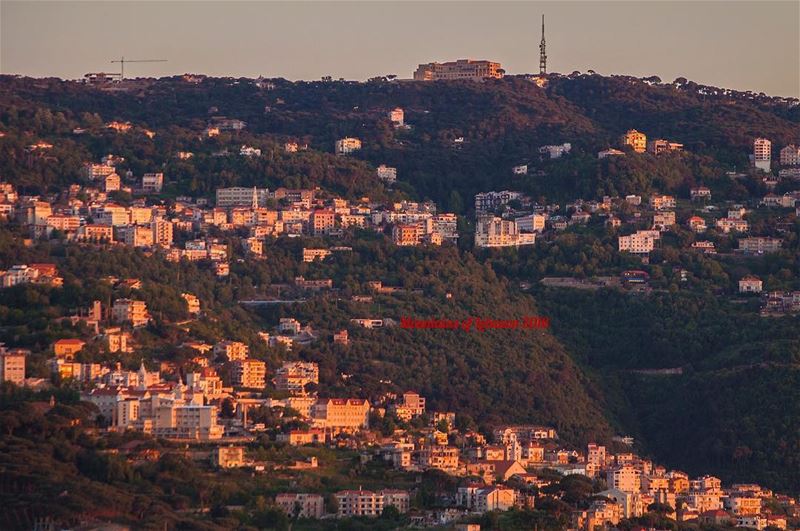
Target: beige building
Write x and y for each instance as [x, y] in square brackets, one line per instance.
[790, 155]
[232, 350]
[640, 242]
[635, 139]
[130, 311]
[12, 365]
[367, 503]
[347, 145]
[460, 69]
[750, 284]
[293, 376]
[341, 413]
[249, 373]
[228, 456]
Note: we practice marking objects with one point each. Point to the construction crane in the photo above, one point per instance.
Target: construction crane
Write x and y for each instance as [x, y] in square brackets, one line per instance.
[122, 62]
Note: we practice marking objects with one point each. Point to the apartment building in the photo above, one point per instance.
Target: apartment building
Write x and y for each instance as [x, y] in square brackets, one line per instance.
[762, 154]
[411, 405]
[760, 245]
[322, 221]
[301, 505]
[341, 413]
[368, 503]
[347, 145]
[228, 456]
[249, 373]
[152, 182]
[790, 155]
[728, 225]
[397, 117]
[440, 457]
[662, 202]
[625, 478]
[459, 69]
[636, 140]
[94, 172]
[750, 284]
[130, 311]
[231, 350]
[12, 365]
[555, 151]
[493, 231]
[659, 146]
[309, 255]
[192, 303]
[387, 174]
[488, 201]
[241, 196]
[293, 376]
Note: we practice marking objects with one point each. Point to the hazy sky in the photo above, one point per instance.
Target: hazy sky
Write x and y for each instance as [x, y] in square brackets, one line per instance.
[752, 45]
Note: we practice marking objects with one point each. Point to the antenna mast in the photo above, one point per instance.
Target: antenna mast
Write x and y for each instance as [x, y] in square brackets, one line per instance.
[122, 62]
[542, 53]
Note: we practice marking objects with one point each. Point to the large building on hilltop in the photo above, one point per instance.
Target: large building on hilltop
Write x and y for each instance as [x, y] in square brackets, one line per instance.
[460, 69]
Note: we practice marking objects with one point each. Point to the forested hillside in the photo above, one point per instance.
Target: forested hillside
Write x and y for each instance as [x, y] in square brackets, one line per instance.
[734, 409]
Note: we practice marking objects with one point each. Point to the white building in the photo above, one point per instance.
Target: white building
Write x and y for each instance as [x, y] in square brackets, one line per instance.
[492, 231]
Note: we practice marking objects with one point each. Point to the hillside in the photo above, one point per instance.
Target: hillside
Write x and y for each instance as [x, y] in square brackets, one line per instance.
[733, 410]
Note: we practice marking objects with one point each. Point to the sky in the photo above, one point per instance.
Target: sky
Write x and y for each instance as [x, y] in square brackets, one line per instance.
[743, 45]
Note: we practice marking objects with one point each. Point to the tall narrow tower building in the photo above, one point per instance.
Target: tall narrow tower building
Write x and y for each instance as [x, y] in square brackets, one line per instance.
[542, 53]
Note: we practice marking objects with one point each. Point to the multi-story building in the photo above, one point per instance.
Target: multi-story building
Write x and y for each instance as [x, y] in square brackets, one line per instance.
[762, 154]
[341, 413]
[322, 221]
[192, 303]
[309, 255]
[412, 405]
[152, 182]
[387, 174]
[232, 350]
[347, 145]
[625, 478]
[459, 69]
[727, 225]
[790, 155]
[228, 456]
[249, 373]
[130, 311]
[407, 234]
[162, 232]
[750, 284]
[492, 231]
[12, 365]
[760, 245]
[241, 196]
[636, 140]
[367, 503]
[659, 146]
[640, 242]
[97, 171]
[438, 456]
[662, 202]
[488, 201]
[397, 117]
[293, 376]
[302, 505]
[556, 151]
